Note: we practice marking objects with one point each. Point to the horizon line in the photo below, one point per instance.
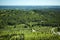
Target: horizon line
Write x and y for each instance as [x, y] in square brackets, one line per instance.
[29, 5]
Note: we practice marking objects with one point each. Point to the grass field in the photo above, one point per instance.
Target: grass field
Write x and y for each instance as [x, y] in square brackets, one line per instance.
[41, 33]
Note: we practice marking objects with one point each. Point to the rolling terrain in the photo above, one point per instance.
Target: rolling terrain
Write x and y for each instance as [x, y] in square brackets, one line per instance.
[33, 24]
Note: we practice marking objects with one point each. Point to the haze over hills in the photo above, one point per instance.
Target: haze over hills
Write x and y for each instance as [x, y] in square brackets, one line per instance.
[29, 7]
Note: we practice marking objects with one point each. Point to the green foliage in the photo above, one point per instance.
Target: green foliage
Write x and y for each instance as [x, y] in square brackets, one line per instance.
[14, 17]
[16, 22]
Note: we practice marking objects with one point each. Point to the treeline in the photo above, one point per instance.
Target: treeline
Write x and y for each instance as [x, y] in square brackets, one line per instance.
[41, 17]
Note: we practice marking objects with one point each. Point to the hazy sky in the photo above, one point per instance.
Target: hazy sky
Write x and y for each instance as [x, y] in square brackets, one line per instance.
[30, 2]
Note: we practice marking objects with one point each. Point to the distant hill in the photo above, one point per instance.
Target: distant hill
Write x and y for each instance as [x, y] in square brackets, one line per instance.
[29, 7]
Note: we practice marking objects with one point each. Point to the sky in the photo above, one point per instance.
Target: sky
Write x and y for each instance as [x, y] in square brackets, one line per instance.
[30, 2]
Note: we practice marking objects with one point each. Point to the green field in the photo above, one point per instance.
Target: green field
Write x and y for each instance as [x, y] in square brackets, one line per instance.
[41, 33]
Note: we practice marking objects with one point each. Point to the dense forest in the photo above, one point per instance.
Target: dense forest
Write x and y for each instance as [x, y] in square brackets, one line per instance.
[40, 17]
[34, 24]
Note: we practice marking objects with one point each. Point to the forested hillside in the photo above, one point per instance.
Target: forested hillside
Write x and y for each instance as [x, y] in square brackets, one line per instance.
[45, 17]
[16, 24]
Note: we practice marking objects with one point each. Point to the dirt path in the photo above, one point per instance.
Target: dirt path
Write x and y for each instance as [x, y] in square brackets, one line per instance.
[58, 33]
